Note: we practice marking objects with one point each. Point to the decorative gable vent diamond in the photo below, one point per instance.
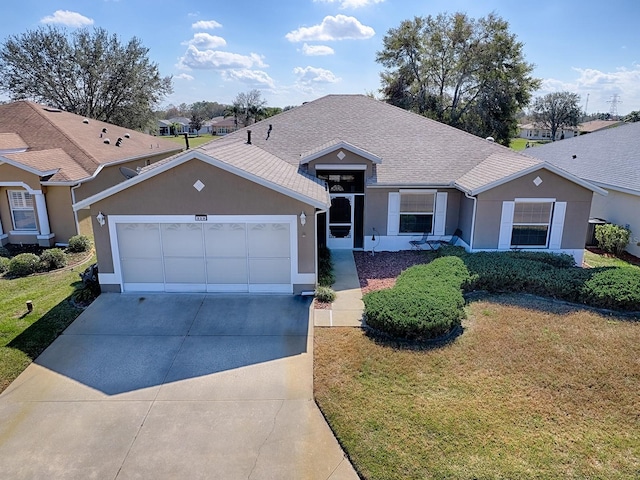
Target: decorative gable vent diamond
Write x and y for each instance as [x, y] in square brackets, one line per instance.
[341, 155]
[537, 181]
[198, 185]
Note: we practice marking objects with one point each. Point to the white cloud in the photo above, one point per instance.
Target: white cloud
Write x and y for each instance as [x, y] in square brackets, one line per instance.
[601, 86]
[351, 3]
[217, 60]
[340, 27]
[205, 41]
[315, 50]
[250, 77]
[206, 25]
[183, 76]
[312, 75]
[68, 18]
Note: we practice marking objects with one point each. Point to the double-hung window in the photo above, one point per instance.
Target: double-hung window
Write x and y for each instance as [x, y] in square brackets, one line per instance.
[416, 212]
[22, 211]
[531, 224]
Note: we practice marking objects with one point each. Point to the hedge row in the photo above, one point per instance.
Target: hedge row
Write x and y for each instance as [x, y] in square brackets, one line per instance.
[425, 303]
[551, 275]
[427, 300]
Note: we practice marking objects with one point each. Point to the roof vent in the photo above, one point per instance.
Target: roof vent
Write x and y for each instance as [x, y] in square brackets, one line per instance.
[574, 156]
[107, 141]
[126, 135]
[248, 137]
[119, 142]
[104, 130]
[490, 139]
[86, 120]
[269, 131]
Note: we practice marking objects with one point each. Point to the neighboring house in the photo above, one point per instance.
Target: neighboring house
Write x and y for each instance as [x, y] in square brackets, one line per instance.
[223, 125]
[164, 128]
[597, 125]
[248, 212]
[531, 131]
[50, 159]
[610, 159]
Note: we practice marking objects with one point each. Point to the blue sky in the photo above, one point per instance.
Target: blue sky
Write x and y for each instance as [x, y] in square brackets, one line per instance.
[298, 50]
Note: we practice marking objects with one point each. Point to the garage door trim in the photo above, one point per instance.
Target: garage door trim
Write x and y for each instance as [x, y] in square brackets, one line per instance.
[291, 220]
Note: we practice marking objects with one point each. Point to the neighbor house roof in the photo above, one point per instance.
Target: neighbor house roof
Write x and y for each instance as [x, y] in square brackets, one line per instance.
[609, 158]
[595, 125]
[41, 129]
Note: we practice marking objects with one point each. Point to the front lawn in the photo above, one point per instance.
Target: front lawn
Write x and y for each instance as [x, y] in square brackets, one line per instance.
[520, 144]
[24, 335]
[531, 389]
[194, 142]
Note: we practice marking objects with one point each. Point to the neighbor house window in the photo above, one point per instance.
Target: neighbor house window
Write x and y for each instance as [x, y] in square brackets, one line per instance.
[416, 212]
[22, 212]
[531, 224]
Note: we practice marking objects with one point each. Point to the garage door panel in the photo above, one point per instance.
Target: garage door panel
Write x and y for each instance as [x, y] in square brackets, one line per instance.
[142, 270]
[269, 240]
[182, 239]
[184, 270]
[269, 270]
[222, 271]
[139, 240]
[226, 240]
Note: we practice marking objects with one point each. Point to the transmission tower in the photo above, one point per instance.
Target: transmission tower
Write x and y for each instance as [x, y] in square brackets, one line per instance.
[615, 100]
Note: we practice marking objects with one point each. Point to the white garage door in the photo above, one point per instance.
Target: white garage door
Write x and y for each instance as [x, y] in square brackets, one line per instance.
[205, 257]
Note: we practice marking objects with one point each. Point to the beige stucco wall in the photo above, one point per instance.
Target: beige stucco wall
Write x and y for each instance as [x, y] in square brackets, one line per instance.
[622, 209]
[9, 173]
[465, 218]
[110, 175]
[172, 193]
[489, 208]
[349, 159]
[61, 219]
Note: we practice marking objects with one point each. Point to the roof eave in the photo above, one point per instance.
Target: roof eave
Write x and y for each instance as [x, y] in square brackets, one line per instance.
[26, 168]
[305, 159]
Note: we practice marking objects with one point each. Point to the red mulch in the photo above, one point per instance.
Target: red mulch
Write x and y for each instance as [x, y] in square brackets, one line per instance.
[381, 270]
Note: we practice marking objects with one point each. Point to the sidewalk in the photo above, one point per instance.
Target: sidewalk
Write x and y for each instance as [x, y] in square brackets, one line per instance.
[347, 309]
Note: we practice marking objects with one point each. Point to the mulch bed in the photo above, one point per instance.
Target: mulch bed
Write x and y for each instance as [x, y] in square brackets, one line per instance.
[380, 271]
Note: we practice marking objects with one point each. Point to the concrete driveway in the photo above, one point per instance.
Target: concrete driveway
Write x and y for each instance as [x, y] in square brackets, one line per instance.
[166, 386]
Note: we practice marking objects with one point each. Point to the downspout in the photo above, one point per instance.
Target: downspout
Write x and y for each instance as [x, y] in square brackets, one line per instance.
[473, 220]
[75, 213]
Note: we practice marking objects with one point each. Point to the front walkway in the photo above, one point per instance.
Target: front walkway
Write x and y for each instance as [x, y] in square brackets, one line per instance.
[347, 309]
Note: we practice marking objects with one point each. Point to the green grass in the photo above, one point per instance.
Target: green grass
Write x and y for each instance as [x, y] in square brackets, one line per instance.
[193, 141]
[521, 143]
[597, 260]
[24, 335]
[531, 389]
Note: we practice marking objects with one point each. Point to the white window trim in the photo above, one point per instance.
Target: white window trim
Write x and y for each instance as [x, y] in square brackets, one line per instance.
[555, 225]
[13, 208]
[433, 213]
[439, 211]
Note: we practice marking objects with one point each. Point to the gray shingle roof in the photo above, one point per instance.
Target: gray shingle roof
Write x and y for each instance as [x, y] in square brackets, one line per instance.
[608, 157]
[495, 169]
[414, 149]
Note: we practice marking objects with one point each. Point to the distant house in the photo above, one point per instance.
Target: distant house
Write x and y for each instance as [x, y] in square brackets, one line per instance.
[609, 158]
[223, 125]
[50, 159]
[248, 212]
[597, 125]
[531, 131]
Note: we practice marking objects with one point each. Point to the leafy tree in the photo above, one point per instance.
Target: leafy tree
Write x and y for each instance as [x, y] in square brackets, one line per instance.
[632, 116]
[557, 110]
[90, 73]
[248, 107]
[468, 73]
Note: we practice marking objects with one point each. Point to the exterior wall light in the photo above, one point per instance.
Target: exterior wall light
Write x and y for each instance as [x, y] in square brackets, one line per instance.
[101, 218]
[303, 219]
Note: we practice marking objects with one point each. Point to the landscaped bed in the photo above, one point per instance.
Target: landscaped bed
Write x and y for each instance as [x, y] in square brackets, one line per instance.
[533, 388]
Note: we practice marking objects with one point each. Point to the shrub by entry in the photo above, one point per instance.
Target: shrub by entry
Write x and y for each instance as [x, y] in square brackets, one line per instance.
[79, 243]
[23, 265]
[425, 303]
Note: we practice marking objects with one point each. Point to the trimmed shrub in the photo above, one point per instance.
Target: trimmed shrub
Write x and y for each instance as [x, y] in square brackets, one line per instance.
[53, 259]
[325, 294]
[79, 243]
[326, 278]
[615, 288]
[4, 253]
[4, 264]
[425, 303]
[612, 238]
[24, 264]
